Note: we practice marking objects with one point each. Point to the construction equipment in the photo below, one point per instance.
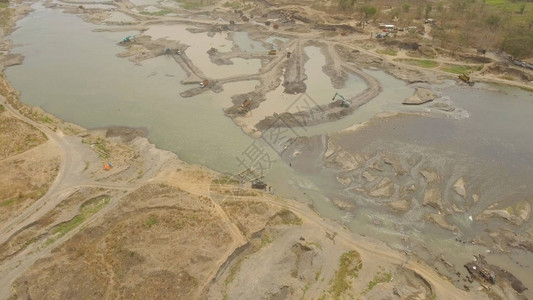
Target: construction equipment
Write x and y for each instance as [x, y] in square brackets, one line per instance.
[245, 106]
[465, 78]
[272, 52]
[259, 185]
[128, 38]
[344, 102]
[487, 275]
[204, 83]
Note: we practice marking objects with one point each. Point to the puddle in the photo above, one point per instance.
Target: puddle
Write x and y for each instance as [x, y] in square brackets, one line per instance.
[276, 40]
[241, 39]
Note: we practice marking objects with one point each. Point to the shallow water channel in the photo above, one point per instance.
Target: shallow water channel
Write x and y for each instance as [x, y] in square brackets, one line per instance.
[73, 73]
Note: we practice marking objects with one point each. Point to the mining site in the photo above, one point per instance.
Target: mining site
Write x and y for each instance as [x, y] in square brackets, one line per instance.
[266, 149]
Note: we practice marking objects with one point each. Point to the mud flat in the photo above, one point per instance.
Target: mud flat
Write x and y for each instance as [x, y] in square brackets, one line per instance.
[406, 176]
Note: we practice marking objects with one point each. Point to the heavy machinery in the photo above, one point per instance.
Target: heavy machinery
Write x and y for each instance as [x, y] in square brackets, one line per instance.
[129, 38]
[259, 185]
[204, 83]
[344, 102]
[465, 78]
[245, 106]
[272, 52]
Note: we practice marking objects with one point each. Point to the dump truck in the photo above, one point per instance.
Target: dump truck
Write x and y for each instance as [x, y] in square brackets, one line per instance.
[272, 52]
[204, 83]
[465, 78]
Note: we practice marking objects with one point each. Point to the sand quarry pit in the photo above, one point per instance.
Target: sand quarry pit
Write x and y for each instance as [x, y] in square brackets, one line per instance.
[154, 226]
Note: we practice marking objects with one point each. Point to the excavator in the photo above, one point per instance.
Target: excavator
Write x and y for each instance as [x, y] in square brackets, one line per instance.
[465, 78]
[245, 106]
[128, 38]
[344, 103]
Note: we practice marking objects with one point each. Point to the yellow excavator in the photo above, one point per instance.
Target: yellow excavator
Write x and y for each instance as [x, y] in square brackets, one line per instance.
[466, 79]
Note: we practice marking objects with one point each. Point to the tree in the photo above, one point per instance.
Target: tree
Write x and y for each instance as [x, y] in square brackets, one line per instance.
[406, 7]
[368, 11]
[346, 4]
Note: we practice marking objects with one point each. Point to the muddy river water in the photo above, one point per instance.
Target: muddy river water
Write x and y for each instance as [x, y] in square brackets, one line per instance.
[74, 73]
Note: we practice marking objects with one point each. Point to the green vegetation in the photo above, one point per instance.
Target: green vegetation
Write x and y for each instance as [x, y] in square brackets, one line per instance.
[487, 24]
[37, 194]
[225, 179]
[315, 244]
[9, 201]
[317, 275]
[157, 13]
[424, 63]
[459, 69]
[233, 272]
[305, 289]
[266, 238]
[349, 265]
[288, 217]
[346, 4]
[87, 210]
[237, 5]
[2, 108]
[99, 146]
[190, 4]
[379, 278]
[152, 220]
[5, 15]
[388, 51]
[368, 11]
